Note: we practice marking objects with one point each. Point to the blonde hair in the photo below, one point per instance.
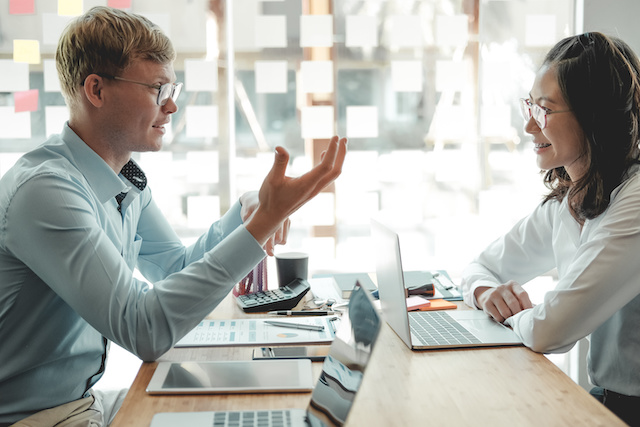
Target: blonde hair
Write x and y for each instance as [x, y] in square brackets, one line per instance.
[106, 40]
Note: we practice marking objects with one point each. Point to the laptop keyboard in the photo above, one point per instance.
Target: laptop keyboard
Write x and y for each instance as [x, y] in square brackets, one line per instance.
[252, 418]
[435, 328]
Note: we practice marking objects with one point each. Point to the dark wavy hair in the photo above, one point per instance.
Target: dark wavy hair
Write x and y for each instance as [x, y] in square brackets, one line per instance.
[599, 79]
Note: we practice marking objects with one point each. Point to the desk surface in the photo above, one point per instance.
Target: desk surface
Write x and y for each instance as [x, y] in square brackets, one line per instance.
[490, 386]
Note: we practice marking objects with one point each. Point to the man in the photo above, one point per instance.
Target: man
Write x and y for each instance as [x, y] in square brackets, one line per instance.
[76, 218]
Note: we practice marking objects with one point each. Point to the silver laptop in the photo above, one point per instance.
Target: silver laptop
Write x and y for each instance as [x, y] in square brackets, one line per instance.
[334, 392]
[423, 330]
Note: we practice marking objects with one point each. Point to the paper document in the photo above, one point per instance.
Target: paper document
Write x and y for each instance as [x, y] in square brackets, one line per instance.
[239, 332]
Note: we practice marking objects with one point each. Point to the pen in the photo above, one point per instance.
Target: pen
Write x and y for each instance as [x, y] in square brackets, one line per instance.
[295, 325]
[301, 313]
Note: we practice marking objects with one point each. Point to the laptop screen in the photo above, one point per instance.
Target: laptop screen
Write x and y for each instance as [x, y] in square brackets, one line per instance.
[345, 364]
[391, 280]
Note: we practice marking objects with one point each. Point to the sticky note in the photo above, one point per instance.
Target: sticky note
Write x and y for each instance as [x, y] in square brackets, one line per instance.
[316, 76]
[55, 118]
[200, 75]
[452, 30]
[361, 31]
[21, 7]
[452, 75]
[26, 100]
[27, 51]
[362, 122]
[405, 31]
[15, 76]
[416, 302]
[271, 76]
[406, 76]
[52, 27]
[14, 125]
[316, 31]
[202, 121]
[70, 7]
[119, 4]
[50, 73]
[7, 160]
[317, 122]
[270, 31]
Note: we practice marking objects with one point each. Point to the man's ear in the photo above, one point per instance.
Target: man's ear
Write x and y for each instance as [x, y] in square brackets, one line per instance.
[93, 89]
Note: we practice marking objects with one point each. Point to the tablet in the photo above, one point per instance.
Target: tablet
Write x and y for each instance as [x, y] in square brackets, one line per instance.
[247, 376]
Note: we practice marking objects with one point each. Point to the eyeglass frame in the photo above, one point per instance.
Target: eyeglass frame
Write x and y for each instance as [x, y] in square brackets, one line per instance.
[176, 88]
[526, 107]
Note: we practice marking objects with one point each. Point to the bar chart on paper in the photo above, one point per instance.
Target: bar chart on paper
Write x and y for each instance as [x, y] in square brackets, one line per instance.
[239, 332]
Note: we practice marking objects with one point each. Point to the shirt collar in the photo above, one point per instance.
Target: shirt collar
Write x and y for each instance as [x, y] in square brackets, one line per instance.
[102, 179]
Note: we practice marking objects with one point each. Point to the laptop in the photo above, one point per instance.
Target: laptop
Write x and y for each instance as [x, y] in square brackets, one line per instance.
[334, 392]
[426, 330]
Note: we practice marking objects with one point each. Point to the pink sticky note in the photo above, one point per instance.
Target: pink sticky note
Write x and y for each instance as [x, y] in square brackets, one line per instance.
[21, 7]
[119, 4]
[26, 100]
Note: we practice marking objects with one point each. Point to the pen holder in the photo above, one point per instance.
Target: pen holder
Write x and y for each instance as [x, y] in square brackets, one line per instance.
[255, 281]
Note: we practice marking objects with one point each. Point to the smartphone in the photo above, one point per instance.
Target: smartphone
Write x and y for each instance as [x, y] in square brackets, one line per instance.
[315, 353]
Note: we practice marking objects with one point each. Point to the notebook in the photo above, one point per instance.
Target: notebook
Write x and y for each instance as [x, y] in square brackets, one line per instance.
[422, 330]
[334, 392]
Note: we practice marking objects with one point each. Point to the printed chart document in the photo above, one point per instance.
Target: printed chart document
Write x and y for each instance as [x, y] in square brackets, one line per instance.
[253, 332]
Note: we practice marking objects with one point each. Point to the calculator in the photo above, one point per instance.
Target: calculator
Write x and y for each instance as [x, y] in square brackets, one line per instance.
[283, 298]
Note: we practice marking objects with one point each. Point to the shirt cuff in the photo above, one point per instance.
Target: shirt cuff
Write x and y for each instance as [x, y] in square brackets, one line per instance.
[240, 241]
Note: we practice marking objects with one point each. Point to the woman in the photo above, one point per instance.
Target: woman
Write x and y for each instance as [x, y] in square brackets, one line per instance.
[583, 114]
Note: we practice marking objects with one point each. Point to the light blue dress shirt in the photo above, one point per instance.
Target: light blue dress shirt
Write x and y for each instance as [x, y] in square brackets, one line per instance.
[66, 274]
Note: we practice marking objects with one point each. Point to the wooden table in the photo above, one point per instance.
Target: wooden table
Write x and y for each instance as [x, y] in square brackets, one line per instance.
[476, 387]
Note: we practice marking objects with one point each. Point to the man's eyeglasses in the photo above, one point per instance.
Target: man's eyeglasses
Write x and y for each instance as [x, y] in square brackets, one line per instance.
[539, 114]
[165, 91]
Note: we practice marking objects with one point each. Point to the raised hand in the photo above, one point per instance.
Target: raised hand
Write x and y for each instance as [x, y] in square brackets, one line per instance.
[280, 195]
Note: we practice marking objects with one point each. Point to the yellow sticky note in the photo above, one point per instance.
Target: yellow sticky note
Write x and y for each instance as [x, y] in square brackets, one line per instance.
[69, 7]
[26, 51]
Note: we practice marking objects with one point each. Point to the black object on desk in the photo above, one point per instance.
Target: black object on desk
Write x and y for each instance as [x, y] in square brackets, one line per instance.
[425, 289]
[284, 298]
[439, 280]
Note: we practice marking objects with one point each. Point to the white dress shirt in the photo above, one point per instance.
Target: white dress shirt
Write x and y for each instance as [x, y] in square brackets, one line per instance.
[598, 289]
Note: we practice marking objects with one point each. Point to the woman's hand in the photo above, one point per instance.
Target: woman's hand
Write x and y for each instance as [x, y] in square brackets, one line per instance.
[503, 301]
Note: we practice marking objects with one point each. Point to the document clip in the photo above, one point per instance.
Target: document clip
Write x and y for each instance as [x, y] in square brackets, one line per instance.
[426, 290]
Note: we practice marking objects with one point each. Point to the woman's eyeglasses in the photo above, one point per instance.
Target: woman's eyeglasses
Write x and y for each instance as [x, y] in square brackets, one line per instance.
[539, 114]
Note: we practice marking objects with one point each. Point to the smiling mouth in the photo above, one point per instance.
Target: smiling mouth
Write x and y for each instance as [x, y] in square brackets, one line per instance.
[542, 145]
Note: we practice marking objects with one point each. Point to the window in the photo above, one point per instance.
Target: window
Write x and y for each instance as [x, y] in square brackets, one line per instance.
[425, 90]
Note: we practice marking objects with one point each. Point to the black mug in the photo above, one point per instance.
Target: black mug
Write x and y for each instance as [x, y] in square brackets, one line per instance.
[291, 266]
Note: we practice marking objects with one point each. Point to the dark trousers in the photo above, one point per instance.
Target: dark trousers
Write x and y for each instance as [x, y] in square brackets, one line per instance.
[627, 408]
